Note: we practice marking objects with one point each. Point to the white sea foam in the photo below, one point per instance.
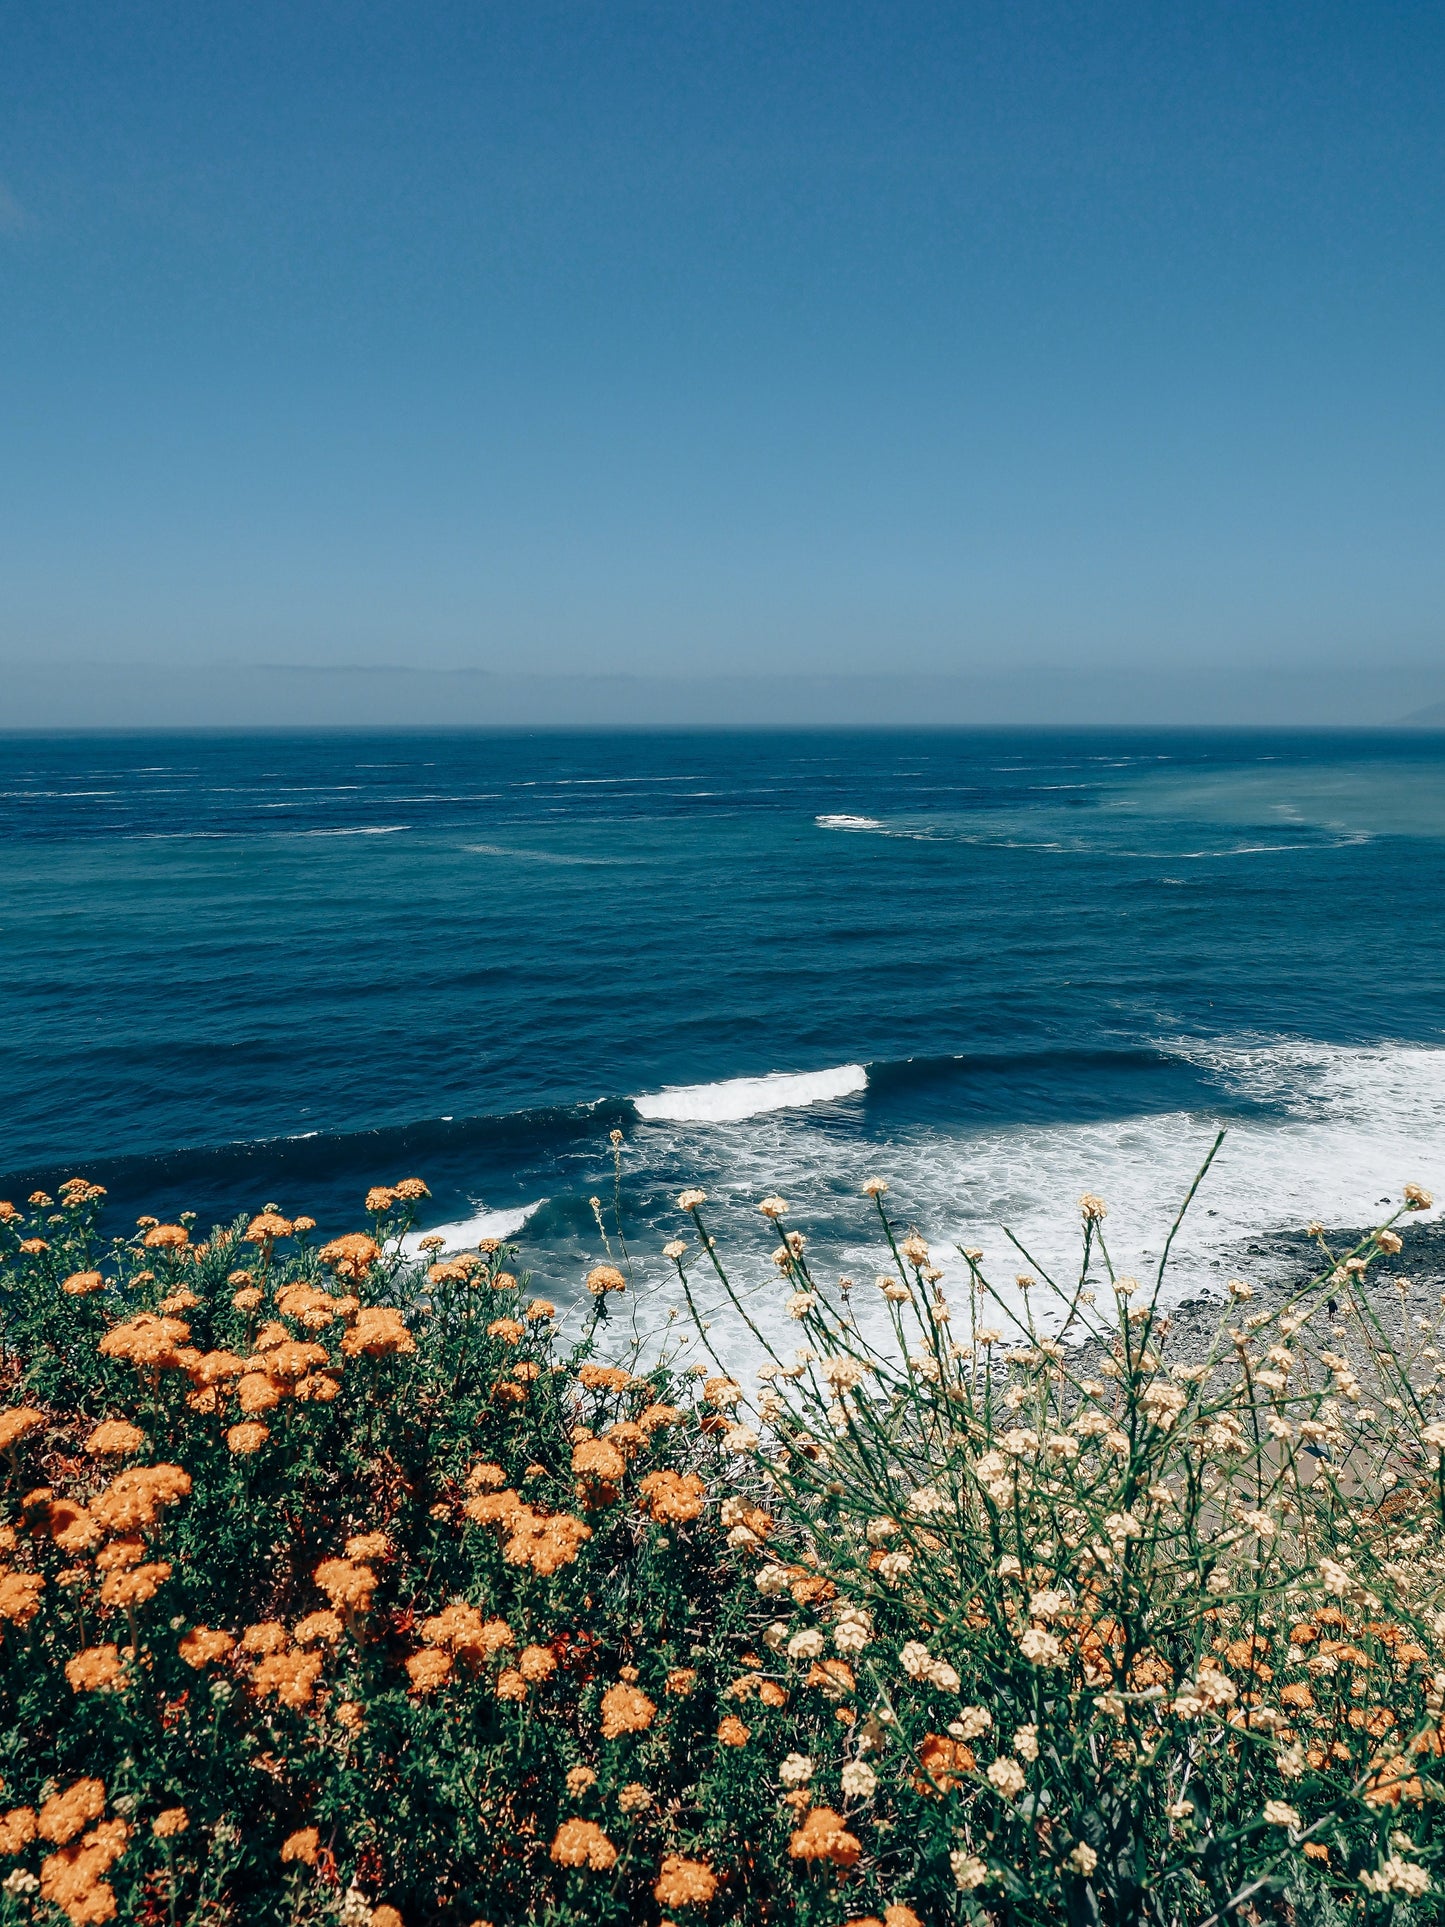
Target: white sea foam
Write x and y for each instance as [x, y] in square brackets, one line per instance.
[847, 823]
[364, 829]
[467, 1231]
[1357, 1124]
[743, 1097]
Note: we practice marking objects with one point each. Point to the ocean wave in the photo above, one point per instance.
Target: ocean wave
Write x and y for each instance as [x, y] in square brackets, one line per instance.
[847, 823]
[736, 1098]
[470, 1231]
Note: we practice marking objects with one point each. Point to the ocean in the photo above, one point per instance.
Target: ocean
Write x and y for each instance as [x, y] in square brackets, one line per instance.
[996, 968]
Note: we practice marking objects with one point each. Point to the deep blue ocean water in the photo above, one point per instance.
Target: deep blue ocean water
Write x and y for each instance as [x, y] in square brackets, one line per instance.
[994, 967]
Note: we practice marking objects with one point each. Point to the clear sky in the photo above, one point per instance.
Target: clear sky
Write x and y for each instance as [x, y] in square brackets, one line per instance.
[726, 336]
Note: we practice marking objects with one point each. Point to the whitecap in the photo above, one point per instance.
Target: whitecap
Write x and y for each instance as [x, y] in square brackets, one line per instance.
[847, 823]
[468, 1231]
[740, 1097]
[382, 829]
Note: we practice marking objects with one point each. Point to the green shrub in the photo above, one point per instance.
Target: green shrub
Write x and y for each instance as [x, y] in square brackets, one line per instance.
[341, 1588]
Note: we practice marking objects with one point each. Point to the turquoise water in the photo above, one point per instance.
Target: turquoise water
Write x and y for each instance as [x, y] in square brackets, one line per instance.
[995, 967]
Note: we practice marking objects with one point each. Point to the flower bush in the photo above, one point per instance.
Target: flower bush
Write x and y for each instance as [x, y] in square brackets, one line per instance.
[338, 1586]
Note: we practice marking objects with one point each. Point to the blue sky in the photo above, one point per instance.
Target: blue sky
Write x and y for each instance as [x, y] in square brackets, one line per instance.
[726, 337]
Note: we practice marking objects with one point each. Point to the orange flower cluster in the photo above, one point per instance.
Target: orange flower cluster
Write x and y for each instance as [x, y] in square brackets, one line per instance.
[626, 1709]
[203, 1647]
[135, 1498]
[115, 1438]
[352, 1256]
[378, 1331]
[684, 1883]
[94, 1669]
[291, 1676]
[347, 1583]
[542, 1540]
[674, 1497]
[823, 1836]
[15, 1423]
[582, 1843]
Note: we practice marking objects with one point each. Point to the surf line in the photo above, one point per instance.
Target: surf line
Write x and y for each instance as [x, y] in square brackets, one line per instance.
[740, 1097]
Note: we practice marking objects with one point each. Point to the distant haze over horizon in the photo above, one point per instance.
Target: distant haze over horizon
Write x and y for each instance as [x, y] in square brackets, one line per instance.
[37, 696]
[1023, 361]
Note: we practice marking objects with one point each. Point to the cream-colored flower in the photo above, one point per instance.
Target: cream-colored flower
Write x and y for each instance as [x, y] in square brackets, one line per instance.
[968, 1870]
[1006, 1776]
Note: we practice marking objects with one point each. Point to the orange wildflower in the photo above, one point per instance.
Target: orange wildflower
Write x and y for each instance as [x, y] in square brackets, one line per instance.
[428, 1669]
[95, 1668]
[485, 1478]
[267, 1227]
[673, 1496]
[545, 1542]
[119, 1554]
[511, 1685]
[201, 1646]
[136, 1497]
[834, 1676]
[942, 1763]
[604, 1378]
[270, 1636]
[684, 1883]
[303, 1845]
[15, 1423]
[378, 1330]
[346, 1583]
[582, 1843]
[680, 1681]
[309, 1307]
[291, 1677]
[536, 1663]
[135, 1587]
[505, 1329]
[653, 1418]
[256, 1392]
[71, 1526]
[166, 1237]
[20, 1596]
[628, 1437]
[353, 1255]
[368, 1545]
[80, 1284]
[823, 1836]
[171, 1821]
[318, 1629]
[17, 1830]
[732, 1732]
[66, 1814]
[604, 1278]
[115, 1438]
[147, 1341]
[243, 1440]
[214, 1367]
[625, 1709]
[73, 1878]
